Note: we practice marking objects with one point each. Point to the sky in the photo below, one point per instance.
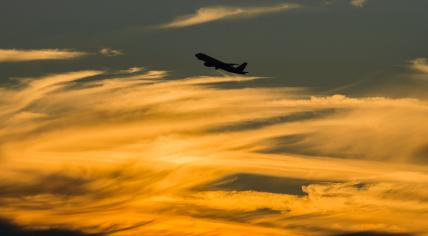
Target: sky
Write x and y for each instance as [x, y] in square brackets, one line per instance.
[109, 125]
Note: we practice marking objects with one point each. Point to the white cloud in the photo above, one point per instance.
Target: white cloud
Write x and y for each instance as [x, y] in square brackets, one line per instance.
[18, 55]
[109, 52]
[358, 3]
[420, 64]
[209, 14]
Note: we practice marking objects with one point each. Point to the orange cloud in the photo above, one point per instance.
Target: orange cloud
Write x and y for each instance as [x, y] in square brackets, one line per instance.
[133, 152]
[209, 14]
[17, 55]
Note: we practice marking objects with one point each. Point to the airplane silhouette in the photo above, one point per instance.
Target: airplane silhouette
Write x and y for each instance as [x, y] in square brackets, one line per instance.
[217, 64]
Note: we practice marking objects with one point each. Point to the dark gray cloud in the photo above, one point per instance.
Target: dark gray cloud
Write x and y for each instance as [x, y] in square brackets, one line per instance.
[260, 183]
[373, 233]
[295, 144]
[293, 117]
[7, 228]
[303, 144]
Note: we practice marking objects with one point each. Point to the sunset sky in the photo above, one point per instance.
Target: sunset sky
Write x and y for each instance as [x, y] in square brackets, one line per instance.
[109, 125]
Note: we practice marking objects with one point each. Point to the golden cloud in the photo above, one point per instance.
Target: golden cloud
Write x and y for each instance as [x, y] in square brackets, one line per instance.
[18, 55]
[133, 153]
[209, 14]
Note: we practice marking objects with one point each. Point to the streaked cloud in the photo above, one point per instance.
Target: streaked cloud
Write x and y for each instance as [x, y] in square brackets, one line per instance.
[109, 52]
[164, 157]
[216, 13]
[358, 3]
[18, 55]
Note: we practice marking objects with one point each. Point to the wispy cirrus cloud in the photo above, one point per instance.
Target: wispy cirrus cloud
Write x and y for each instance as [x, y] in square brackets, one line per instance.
[148, 149]
[216, 13]
[20, 55]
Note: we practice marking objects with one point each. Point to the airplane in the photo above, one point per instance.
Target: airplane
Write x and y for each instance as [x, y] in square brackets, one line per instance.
[217, 64]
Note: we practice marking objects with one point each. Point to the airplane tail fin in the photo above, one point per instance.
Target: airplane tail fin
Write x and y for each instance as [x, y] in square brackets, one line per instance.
[242, 67]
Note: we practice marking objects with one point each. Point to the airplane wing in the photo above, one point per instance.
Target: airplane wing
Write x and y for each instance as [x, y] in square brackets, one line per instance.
[215, 61]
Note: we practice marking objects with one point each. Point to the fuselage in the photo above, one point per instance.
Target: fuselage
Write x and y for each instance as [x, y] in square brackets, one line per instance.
[217, 64]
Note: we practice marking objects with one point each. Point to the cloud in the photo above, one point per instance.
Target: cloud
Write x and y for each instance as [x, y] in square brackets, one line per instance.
[17, 55]
[209, 14]
[109, 52]
[261, 183]
[132, 70]
[123, 148]
[11, 229]
[358, 3]
[420, 65]
[374, 233]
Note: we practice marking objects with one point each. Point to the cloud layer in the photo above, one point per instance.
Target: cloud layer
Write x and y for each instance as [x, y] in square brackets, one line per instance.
[209, 14]
[17, 55]
[135, 153]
